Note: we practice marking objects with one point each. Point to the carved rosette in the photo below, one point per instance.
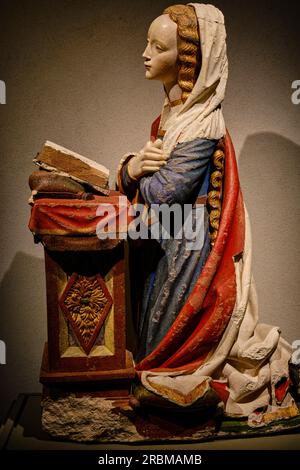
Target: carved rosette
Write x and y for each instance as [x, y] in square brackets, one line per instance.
[86, 302]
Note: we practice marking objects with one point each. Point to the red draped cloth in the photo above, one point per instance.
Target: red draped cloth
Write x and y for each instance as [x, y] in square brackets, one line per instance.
[75, 217]
[202, 320]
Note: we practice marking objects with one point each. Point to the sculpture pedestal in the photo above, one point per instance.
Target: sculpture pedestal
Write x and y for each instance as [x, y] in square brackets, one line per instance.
[85, 282]
[85, 356]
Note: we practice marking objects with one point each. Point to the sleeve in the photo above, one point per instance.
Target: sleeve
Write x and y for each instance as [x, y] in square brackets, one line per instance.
[183, 173]
[125, 184]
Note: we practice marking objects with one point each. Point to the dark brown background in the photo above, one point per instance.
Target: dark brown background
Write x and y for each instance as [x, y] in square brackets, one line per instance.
[74, 75]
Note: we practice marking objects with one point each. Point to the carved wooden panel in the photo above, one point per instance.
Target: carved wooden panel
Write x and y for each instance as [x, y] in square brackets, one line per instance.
[86, 302]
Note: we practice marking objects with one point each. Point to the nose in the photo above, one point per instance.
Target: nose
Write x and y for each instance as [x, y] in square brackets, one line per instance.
[146, 53]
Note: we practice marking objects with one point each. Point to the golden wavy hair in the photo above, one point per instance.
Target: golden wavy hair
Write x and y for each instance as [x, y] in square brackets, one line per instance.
[189, 51]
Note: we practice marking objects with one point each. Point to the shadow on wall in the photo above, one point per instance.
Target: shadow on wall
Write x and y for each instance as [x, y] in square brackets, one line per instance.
[22, 327]
[269, 167]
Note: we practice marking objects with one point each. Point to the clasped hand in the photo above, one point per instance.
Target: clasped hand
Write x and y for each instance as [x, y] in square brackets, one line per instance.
[148, 160]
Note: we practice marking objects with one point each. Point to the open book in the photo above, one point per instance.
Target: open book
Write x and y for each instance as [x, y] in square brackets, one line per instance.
[67, 163]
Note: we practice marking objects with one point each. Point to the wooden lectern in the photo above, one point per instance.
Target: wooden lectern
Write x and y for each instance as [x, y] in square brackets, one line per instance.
[86, 303]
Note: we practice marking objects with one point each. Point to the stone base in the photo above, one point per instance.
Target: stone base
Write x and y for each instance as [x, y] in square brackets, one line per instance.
[86, 419]
[95, 419]
[89, 418]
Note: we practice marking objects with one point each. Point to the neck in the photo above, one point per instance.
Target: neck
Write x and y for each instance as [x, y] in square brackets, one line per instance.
[173, 92]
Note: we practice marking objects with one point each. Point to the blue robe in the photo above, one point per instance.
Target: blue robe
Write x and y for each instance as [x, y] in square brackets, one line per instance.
[175, 266]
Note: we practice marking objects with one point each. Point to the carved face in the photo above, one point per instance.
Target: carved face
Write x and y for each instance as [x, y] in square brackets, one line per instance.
[161, 52]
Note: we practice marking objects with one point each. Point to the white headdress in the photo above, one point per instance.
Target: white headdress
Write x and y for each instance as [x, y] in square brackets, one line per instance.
[201, 115]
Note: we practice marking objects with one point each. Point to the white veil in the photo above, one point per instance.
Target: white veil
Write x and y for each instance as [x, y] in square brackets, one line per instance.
[201, 114]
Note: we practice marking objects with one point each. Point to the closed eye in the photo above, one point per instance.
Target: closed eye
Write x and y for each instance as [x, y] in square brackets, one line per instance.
[160, 47]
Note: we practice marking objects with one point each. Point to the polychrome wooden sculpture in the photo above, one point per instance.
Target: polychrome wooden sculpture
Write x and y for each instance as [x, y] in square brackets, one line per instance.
[197, 316]
[201, 351]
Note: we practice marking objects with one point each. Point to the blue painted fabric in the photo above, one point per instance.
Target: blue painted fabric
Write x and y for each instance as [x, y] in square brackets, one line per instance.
[168, 285]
